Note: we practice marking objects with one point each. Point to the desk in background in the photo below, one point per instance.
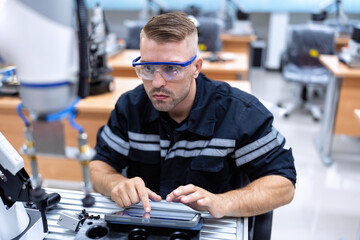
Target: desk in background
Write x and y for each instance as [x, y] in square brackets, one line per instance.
[93, 112]
[341, 41]
[236, 68]
[342, 97]
[357, 114]
[237, 43]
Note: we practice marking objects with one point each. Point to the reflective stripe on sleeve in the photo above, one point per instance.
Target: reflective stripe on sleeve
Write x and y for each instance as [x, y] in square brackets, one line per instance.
[114, 141]
[258, 148]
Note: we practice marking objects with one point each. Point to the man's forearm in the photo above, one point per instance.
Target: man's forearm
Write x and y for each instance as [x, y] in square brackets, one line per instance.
[103, 177]
[260, 196]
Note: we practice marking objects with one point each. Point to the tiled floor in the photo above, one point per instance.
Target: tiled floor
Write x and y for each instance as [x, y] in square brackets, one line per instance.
[327, 199]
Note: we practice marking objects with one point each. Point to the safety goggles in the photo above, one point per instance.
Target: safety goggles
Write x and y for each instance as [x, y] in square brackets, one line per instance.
[170, 71]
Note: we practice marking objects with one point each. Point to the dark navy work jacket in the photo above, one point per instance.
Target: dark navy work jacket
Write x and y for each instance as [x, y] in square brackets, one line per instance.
[226, 142]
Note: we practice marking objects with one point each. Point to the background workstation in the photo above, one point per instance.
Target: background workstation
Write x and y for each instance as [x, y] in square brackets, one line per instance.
[326, 204]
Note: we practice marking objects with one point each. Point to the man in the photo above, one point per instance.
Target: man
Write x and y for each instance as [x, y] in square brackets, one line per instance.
[188, 139]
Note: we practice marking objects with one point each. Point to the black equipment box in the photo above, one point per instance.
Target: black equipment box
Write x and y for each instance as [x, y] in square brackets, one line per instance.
[100, 229]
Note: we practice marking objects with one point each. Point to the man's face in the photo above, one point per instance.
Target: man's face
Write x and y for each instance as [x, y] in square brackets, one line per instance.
[174, 95]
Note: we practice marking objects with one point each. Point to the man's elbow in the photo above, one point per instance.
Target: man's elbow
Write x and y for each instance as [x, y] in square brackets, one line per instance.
[290, 192]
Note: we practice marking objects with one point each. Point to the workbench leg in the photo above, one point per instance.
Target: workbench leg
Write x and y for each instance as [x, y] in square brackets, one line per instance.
[324, 141]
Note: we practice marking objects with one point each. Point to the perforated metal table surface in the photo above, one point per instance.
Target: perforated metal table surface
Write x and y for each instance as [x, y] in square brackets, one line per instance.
[213, 229]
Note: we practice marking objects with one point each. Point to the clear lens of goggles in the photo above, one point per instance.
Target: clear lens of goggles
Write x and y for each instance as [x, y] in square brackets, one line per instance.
[168, 72]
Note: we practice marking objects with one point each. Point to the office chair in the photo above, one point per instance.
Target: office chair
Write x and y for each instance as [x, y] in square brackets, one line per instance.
[209, 31]
[133, 29]
[300, 64]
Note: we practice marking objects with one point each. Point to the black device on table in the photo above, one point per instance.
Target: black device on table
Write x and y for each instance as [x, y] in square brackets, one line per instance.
[156, 218]
[133, 223]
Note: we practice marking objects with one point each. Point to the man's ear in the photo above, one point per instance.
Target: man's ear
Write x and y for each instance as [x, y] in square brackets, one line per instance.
[198, 65]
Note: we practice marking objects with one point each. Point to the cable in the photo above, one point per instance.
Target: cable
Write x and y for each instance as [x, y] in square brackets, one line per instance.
[61, 114]
[56, 116]
[84, 86]
[22, 116]
[73, 124]
[68, 111]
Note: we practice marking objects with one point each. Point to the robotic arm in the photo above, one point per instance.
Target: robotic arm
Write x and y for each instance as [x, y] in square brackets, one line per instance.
[146, 13]
[340, 14]
[15, 188]
[100, 82]
[237, 22]
[39, 37]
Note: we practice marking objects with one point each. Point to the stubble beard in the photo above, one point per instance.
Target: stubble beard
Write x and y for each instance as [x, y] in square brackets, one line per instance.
[171, 102]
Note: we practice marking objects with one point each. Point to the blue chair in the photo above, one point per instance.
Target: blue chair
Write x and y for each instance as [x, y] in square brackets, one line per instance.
[300, 64]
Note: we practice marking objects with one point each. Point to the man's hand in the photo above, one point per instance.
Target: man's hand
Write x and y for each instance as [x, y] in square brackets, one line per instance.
[200, 200]
[131, 191]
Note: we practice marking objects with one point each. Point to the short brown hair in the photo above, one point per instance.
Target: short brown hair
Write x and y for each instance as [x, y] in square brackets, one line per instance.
[169, 27]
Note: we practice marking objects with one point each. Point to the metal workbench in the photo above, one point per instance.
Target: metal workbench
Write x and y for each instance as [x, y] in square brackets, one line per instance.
[213, 229]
